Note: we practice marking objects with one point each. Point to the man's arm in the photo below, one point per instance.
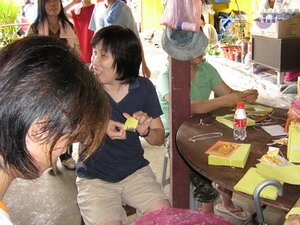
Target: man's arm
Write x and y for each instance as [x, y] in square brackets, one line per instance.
[69, 6]
[226, 98]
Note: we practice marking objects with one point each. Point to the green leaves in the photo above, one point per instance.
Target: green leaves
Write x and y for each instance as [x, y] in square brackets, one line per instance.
[9, 10]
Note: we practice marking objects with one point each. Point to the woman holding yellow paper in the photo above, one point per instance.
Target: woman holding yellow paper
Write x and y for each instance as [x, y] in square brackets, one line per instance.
[118, 172]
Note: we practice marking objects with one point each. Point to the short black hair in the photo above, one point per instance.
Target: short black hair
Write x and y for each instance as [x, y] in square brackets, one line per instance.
[125, 48]
[41, 78]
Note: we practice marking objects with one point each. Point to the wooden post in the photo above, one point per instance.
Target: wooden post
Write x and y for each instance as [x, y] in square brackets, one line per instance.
[180, 111]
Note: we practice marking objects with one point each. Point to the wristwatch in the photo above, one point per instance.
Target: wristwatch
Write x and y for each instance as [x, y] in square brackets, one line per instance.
[145, 135]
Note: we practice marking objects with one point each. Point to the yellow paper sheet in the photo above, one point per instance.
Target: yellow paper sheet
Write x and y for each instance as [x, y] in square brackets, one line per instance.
[131, 123]
[288, 174]
[237, 159]
[293, 148]
[257, 109]
[224, 119]
[250, 181]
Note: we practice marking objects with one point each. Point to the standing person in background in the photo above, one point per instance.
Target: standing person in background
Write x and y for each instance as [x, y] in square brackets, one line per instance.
[48, 99]
[209, 31]
[52, 21]
[81, 16]
[266, 4]
[116, 12]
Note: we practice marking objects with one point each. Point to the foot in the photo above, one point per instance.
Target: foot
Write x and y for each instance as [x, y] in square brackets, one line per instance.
[224, 192]
[69, 163]
[236, 212]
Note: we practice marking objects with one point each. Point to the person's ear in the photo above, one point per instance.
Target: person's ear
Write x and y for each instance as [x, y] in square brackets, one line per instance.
[36, 130]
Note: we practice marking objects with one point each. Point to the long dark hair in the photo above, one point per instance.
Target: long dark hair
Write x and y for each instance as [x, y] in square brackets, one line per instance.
[41, 80]
[42, 15]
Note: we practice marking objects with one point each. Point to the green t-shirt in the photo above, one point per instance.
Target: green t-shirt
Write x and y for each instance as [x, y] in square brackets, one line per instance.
[206, 79]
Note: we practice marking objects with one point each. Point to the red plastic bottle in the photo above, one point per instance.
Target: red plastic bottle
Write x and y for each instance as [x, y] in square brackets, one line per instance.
[240, 122]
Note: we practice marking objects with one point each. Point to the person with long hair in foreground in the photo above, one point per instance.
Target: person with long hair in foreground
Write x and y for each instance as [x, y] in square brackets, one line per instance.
[49, 100]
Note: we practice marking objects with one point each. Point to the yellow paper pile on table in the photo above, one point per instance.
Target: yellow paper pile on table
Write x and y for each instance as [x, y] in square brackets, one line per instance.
[293, 148]
[250, 181]
[237, 159]
[227, 120]
[257, 109]
[286, 174]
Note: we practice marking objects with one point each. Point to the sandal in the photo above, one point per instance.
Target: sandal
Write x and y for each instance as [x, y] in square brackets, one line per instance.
[236, 212]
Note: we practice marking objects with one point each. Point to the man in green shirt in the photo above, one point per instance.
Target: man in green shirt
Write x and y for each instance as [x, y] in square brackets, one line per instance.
[204, 79]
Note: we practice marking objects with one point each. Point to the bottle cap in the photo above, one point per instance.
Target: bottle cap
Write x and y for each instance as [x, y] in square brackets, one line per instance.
[240, 105]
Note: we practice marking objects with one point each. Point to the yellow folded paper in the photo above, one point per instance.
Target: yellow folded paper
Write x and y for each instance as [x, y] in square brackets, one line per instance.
[131, 123]
[237, 159]
[280, 173]
[250, 181]
[293, 147]
[228, 120]
[257, 109]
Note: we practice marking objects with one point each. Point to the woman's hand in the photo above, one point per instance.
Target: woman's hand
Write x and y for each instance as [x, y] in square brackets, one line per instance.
[115, 130]
[144, 121]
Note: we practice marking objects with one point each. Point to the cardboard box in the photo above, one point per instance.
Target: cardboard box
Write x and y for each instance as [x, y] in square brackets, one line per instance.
[282, 29]
[236, 159]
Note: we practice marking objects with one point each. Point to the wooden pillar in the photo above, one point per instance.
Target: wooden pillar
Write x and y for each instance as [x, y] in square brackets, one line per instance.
[180, 111]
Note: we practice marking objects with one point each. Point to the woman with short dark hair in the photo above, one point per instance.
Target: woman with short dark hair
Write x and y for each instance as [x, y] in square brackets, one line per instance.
[118, 172]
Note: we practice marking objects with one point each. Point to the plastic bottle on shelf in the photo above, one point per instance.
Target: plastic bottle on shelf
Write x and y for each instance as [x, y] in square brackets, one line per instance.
[263, 15]
[186, 26]
[270, 17]
[279, 15]
[277, 4]
[240, 122]
[286, 13]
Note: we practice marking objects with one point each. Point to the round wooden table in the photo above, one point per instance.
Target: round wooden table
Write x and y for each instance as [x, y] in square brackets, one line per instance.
[194, 152]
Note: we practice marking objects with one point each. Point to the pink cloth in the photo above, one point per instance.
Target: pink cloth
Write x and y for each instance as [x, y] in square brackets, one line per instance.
[68, 33]
[291, 76]
[175, 216]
